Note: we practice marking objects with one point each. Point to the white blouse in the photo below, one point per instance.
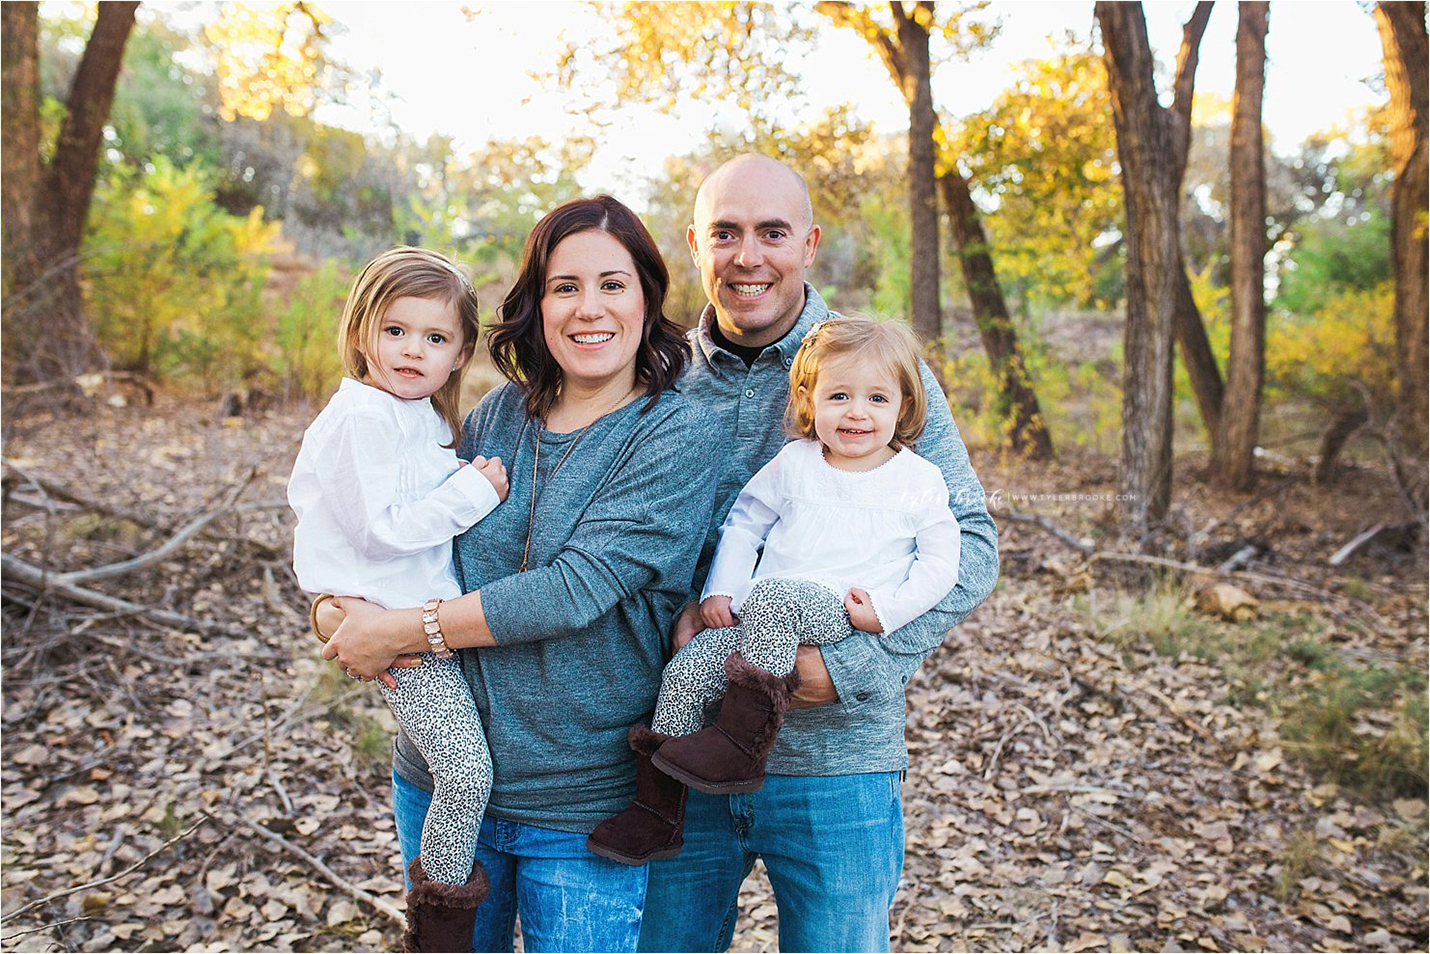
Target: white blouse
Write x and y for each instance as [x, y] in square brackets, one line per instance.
[379, 500]
[888, 531]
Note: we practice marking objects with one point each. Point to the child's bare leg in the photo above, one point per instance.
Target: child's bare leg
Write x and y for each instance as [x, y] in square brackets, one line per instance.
[694, 678]
[778, 615]
[434, 705]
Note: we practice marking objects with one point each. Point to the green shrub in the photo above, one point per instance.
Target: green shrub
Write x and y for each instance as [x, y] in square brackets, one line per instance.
[173, 282]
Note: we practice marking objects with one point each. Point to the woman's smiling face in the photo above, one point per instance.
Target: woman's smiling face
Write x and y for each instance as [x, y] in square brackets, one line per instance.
[593, 311]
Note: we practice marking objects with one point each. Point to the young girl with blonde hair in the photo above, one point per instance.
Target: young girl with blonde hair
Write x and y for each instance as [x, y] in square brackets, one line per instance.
[380, 493]
[845, 529]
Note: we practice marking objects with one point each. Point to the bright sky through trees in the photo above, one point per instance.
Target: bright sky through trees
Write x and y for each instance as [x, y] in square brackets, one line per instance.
[468, 76]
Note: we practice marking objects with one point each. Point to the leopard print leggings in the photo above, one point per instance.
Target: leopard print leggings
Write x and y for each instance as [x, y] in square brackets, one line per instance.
[777, 616]
[434, 706]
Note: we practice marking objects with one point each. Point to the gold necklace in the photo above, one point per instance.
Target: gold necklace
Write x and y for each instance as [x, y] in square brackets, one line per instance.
[536, 463]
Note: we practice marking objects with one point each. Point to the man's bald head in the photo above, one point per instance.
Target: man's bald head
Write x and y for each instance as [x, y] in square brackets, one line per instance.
[753, 236]
[752, 165]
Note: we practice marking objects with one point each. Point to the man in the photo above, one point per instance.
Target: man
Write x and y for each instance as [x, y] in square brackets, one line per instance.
[828, 821]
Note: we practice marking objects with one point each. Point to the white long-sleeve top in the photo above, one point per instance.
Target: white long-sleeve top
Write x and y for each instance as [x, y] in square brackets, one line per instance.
[888, 531]
[379, 499]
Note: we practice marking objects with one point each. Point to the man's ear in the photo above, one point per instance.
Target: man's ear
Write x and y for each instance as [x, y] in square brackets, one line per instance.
[690, 240]
[811, 242]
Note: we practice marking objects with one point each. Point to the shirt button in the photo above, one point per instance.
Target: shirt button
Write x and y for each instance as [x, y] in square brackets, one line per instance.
[789, 362]
[862, 696]
[749, 392]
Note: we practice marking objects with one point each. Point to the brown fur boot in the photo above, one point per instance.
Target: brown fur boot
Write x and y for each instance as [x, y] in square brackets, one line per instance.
[440, 917]
[729, 756]
[651, 827]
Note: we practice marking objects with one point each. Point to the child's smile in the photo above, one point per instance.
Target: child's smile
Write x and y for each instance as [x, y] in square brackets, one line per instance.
[856, 407]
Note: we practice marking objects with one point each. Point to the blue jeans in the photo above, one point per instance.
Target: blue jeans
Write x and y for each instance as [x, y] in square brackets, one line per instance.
[833, 847]
[568, 898]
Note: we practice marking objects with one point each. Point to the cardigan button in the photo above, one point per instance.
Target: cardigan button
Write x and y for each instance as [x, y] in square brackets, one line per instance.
[749, 392]
[862, 696]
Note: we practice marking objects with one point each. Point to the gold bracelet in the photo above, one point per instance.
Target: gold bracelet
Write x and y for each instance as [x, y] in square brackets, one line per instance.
[313, 615]
[432, 626]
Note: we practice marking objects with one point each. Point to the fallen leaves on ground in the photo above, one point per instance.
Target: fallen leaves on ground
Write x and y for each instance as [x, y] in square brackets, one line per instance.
[1064, 793]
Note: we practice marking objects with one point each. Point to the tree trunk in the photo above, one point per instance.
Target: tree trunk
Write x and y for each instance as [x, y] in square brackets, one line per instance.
[1197, 355]
[20, 105]
[913, 33]
[1403, 37]
[1028, 434]
[1151, 148]
[46, 332]
[1346, 423]
[1232, 453]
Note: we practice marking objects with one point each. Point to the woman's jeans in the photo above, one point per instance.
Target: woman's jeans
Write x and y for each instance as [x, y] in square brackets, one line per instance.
[569, 899]
[833, 847]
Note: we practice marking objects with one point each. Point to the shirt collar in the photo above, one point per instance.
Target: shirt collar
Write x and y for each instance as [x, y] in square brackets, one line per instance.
[814, 311]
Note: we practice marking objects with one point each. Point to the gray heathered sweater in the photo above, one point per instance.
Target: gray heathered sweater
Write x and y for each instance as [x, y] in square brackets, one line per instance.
[582, 636]
[864, 730]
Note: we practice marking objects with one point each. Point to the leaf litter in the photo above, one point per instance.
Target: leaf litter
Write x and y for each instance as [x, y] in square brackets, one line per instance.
[1066, 791]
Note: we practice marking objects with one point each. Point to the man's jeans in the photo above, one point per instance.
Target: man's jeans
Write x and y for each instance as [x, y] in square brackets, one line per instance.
[833, 848]
[569, 899]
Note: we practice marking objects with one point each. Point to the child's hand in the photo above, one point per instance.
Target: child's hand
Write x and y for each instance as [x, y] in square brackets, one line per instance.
[715, 611]
[861, 611]
[495, 473]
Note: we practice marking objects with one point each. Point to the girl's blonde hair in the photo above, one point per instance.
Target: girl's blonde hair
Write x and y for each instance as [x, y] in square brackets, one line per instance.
[888, 344]
[407, 272]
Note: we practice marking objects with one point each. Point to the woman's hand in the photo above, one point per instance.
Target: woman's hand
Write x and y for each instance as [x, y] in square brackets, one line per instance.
[362, 643]
[861, 611]
[715, 611]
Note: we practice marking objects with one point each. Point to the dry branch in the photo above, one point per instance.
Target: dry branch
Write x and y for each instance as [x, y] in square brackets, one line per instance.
[332, 876]
[18, 570]
[111, 879]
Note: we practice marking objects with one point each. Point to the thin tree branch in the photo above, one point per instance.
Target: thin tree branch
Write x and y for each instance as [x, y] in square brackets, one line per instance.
[333, 877]
[111, 879]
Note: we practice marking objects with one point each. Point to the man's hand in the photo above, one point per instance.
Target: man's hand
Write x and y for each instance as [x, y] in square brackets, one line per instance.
[686, 625]
[815, 688]
[861, 611]
[715, 611]
[495, 473]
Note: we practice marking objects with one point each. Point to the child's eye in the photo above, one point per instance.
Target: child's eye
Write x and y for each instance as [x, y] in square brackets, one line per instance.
[437, 339]
[392, 330]
[878, 398]
[837, 396]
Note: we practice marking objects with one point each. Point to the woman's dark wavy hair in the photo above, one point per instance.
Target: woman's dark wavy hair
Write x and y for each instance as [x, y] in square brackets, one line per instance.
[516, 342]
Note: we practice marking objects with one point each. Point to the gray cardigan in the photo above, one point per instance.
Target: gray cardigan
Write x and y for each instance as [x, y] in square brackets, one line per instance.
[583, 635]
[864, 730]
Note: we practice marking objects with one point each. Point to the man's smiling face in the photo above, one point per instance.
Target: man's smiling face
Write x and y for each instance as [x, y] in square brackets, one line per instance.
[752, 240]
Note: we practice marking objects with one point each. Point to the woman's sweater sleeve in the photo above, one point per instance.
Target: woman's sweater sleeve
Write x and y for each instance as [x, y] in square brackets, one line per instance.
[359, 472]
[742, 535]
[642, 530]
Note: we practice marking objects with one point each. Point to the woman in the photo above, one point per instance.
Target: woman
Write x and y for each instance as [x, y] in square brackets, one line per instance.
[571, 583]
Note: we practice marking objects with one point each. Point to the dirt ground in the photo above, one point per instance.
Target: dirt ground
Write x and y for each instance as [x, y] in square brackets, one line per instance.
[1077, 782]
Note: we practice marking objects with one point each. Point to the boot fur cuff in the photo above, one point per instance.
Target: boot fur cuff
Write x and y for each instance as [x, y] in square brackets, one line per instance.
[643, 741]
[427, 891]
[742, 672]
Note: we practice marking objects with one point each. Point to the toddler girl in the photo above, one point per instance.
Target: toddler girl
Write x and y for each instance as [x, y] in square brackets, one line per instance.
[846, 528]
[379, 494]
